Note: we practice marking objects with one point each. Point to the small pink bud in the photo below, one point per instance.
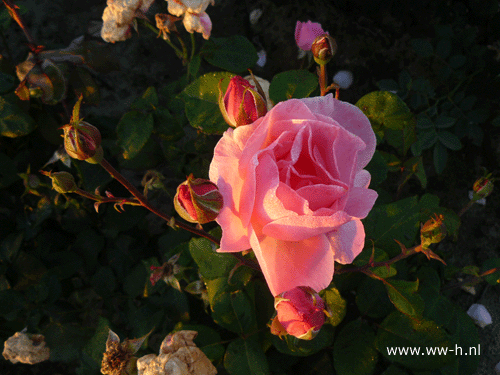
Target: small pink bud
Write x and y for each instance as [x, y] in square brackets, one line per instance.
[241, 104]
[300, 312]
[306, 32]
[198, 200]
[82, 140]
[323, 49]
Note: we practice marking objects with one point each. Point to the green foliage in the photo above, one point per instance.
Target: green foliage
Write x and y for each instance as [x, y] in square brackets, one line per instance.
[201, 101]
[71, 273]
[391, 119]
[14, 122]
[292, 84]
[354, 349]
[234, 54]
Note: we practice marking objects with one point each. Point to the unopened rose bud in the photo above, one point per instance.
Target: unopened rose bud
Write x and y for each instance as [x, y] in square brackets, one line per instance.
[323, 49]
[301, 312]
[198, 200]
[241, 104]
[62, 182]
[482, 187]
[81, 140]
[433, 231]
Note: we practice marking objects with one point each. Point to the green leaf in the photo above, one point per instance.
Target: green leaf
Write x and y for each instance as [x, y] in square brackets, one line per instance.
[422, 47]
[466, 337]
[292, 84]
[372, 299]
[450, 140]
[398, 331]
[104, 281]
[377, 168]
[84, 84]
[231, 309]
[134, 130]
[96, 346]
[354, 349]
[211, 264]
[424, 122]
[336, 305]
[440, 157]
[235, 53]
[489, 264]
[379, 255]
[194, 67]
[14, 122]
[390, 118]
[147, 102]
[201, 102]
[398, 220]
[134, 281]
[403, 294]
[64, 341]
[246, 357]
[443, 122]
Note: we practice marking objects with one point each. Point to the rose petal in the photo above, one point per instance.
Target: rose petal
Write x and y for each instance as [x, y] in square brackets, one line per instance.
[347, 241]
[286, 265]
[351, 118]
[360, 202]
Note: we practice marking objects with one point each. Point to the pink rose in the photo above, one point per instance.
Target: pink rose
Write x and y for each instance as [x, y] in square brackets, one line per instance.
[241, 104]
[294, 189]
[306, 32]
[300, 312]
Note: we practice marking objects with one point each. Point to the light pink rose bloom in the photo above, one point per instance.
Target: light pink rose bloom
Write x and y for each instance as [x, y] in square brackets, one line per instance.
[306, 32]
[179, 7]
[200, 23]
[294, 189]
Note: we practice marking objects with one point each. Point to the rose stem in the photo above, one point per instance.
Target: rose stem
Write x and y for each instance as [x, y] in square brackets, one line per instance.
[322, 79]
[144, 202]
[403, 255]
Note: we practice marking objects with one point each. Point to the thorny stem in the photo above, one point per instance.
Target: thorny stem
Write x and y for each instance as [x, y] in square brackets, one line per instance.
[144, 202]
[100, 199]
[404, 254]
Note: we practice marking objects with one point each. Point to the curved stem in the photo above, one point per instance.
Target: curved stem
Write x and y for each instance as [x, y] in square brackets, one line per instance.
[178, 52]
[144, 202]
[404, 254]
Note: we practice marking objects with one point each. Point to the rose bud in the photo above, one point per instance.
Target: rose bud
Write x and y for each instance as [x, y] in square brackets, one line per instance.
[300, 312]
[323, 49]
[241, 104]
[198, 200]
[81, 141]
[62, 182]
[482, 187]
